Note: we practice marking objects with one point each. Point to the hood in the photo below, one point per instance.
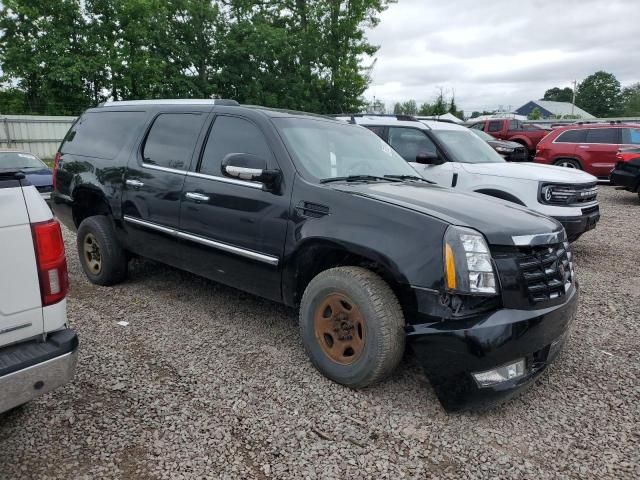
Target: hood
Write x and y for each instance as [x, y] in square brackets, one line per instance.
[503, 143]
[530, 171]
[40, 177]
[498, 220]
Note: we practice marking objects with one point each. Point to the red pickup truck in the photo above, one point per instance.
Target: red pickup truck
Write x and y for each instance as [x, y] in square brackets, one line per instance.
[526, 134]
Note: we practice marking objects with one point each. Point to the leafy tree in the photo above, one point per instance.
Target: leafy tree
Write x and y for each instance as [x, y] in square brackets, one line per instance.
[439, 106]
[42, 52]
[65, 55]
[535, 114]
[375, 106]
[599, 94]
[425, 109]
[556, 94]
[631, 100]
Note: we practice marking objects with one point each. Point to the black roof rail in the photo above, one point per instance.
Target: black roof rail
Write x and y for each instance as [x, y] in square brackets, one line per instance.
[397, 116]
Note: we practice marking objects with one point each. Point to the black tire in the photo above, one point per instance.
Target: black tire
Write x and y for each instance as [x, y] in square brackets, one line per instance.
[568, 163]
[384, 336]
[112, 258]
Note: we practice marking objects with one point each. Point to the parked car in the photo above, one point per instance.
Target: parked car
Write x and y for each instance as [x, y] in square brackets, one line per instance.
[452, 156]
[37, 349]
[510, 151]
[588, 147]
[36, 171]
[626, 174]
[322, 215]
[526, 134]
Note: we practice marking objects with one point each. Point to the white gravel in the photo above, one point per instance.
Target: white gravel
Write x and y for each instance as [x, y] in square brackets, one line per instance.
[206, 381]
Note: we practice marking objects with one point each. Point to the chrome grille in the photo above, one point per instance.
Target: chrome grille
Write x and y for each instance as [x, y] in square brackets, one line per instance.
[564, 194]
[547, 272]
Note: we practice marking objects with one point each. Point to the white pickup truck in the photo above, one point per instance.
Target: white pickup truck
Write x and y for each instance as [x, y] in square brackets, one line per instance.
[38, 352]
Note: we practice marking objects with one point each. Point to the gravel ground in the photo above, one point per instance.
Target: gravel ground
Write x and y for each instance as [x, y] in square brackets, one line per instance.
[207, 381]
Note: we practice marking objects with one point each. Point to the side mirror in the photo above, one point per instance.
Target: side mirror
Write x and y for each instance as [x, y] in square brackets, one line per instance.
[251, 168]
[428, 158]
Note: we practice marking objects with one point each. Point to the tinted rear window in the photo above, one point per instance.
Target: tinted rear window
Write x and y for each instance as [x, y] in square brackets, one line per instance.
[572, 136]
[102, 134]
[602, 135]
[172, 139]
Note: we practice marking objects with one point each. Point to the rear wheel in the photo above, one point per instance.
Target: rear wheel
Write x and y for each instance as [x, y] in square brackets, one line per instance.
[568, 163]
[102, 259]
[352, 326]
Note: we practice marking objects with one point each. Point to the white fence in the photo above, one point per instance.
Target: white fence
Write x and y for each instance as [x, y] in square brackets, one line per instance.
[33, 133]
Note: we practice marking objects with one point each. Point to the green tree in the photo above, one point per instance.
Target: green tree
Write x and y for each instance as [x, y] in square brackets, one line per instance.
[439, 106]
[375, 106]
[631, 100]
[556, 94]
[599, 94]
[42, 52]
[535, 114]
[425, 109]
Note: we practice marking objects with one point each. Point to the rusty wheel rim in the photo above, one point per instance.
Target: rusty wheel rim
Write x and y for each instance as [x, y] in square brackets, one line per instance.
[92, 256]
[339, 328]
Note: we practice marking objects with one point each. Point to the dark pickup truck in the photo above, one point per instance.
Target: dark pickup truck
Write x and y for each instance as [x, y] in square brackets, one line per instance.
[323, 216]
[526, 134]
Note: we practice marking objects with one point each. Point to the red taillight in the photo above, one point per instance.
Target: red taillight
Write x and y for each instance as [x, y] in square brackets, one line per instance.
[52, 262]
[56, 162]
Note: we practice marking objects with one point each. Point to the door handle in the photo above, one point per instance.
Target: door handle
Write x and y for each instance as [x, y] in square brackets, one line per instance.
[134, 183]
[197, 197]
[583, 146]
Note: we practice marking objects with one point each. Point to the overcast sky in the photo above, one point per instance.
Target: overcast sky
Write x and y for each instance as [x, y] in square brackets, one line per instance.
[500, 52]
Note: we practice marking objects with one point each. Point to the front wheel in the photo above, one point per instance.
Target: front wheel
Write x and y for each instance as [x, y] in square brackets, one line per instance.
[352, 326]
[568, 163]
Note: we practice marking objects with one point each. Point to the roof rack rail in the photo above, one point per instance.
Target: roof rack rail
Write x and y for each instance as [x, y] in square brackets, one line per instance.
[436, 119]
[353, 116]
[173, 101]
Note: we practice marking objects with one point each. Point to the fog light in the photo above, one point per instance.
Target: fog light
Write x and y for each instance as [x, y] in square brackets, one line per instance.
[500, 374]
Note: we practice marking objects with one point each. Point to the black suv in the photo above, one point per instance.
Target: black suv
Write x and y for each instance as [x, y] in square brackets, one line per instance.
[324, 216]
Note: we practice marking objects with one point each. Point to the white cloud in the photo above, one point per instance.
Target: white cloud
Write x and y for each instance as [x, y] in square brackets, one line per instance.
[500, 52]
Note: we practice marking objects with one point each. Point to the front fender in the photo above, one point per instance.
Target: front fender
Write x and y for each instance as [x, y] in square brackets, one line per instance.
[526, 141]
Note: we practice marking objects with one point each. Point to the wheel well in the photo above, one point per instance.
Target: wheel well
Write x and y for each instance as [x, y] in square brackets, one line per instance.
[502, 196]
[556, 160]
[521, 142]
[88, 203]
[316, 258]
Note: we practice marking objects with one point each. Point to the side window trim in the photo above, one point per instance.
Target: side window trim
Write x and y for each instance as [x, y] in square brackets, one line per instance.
[140, 150]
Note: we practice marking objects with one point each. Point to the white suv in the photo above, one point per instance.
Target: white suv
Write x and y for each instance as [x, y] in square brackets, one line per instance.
[451, 155]
[37, 349]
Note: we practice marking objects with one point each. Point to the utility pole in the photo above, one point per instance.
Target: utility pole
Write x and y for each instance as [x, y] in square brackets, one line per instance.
[573, 100]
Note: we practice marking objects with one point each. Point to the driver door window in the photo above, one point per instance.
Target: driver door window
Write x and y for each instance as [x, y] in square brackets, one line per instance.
[409, 142]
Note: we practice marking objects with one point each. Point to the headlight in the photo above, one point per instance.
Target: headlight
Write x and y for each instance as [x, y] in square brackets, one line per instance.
[504, 149]
[467, 261]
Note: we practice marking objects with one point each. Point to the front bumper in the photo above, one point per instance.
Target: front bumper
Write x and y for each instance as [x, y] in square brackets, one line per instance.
[627, 176]
[31, 369]
[576, 226]
[450, 351]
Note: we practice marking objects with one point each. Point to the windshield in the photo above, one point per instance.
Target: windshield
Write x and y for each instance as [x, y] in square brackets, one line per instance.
[483, 135]
[325, 149]
[20, 160]
[465, 147]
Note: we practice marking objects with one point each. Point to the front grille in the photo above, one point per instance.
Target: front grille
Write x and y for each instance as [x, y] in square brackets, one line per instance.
[547, 272]
[518, 155]
[565, 194]
[44, 188]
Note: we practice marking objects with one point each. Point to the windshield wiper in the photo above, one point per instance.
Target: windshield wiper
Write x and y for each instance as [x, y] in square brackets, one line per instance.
[409, 177]
[360, 178]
